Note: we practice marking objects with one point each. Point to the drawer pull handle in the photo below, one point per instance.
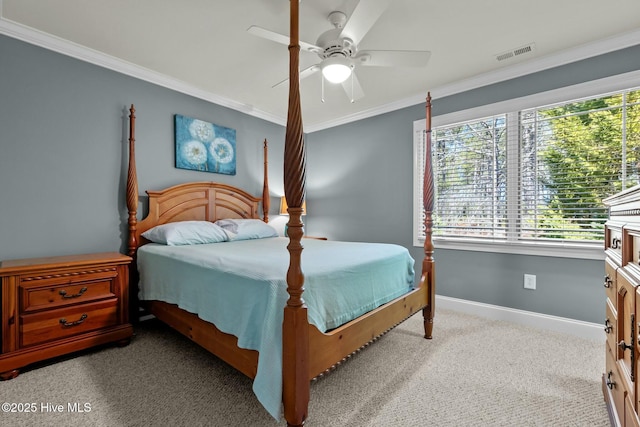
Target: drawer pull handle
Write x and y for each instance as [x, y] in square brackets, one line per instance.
[615, 243]
[79, 294]
[607, 326]
[607, 281]
[66, 324]
[624, 346]
[610, 384]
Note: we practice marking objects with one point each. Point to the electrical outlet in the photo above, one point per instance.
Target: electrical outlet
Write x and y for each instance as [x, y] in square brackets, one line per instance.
[529, 281]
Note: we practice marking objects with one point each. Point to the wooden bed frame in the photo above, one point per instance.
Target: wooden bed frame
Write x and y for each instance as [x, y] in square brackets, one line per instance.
[307, 352]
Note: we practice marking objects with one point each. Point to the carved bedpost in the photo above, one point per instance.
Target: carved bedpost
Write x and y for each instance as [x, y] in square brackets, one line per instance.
[132, 206]
[266, 200]
[132, 185]
[295, 333]
[428, 263]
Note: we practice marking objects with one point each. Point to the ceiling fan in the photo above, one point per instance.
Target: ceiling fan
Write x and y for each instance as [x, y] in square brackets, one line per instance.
[338, 50]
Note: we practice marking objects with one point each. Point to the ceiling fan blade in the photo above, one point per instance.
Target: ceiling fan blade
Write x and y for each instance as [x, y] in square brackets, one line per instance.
[280, 38]
[393, 58]
[352, 87]
[362, 19]
[303, 74]
[309, 71]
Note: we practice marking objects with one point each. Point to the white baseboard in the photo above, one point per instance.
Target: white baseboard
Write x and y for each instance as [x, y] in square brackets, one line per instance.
[588, 330]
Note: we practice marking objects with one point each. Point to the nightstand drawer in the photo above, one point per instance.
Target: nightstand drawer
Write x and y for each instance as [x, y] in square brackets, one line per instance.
[55, 324]
[40, 298]
[52, 306]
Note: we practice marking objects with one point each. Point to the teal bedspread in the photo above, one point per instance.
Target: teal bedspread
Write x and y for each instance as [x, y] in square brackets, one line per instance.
[240, 286]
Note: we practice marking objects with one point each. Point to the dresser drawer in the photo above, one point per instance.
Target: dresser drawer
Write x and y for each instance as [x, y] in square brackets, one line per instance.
[613, 241]
[46, 291]
[610, 281]
[51, 325]
[614, 382]
[611, 325]
[631, 245]
[630, 416]
[626, 322]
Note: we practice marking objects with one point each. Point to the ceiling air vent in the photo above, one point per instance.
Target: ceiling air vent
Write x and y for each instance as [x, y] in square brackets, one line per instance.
[522, 50]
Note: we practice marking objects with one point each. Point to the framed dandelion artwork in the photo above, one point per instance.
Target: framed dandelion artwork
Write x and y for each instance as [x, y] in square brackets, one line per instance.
[203, 146]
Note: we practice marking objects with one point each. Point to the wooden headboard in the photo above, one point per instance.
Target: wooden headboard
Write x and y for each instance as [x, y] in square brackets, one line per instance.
[202, 201]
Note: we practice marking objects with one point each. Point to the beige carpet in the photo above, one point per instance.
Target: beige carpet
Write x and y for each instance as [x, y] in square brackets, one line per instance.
[475, 372]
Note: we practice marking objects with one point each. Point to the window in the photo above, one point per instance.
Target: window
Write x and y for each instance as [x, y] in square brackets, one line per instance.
[533, 177]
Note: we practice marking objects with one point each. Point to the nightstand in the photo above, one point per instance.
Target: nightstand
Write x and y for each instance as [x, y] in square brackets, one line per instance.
[59, 305]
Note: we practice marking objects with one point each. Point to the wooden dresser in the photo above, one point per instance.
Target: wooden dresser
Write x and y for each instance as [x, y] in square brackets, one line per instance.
[622, 318]
[58, 305]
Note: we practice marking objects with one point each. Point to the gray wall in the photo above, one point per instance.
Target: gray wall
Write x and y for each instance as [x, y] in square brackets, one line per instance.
[63, 150]
[63, 142]
[366, 195]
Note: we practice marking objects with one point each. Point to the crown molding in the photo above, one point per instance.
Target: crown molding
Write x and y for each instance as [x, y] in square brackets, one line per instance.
[365, 114]
[542, 63]
[65, 47]
[531, 66]
[74, 50]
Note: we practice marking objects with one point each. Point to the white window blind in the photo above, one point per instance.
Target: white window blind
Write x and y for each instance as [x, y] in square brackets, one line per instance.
[470, 160]
[574, 155]
[532, 176]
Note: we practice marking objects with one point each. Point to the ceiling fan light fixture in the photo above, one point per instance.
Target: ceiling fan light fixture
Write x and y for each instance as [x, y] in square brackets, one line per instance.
[336, 69]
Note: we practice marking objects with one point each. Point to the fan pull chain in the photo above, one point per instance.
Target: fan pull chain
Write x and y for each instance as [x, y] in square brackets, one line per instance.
[352, 97]
[322, 89]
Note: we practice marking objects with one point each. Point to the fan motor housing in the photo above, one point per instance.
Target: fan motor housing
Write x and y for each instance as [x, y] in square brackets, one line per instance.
[332, 44]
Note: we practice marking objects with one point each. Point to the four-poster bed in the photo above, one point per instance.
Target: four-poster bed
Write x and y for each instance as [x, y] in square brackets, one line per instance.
[306, 350]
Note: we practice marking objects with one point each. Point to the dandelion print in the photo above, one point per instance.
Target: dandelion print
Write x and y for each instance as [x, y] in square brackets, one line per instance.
[194, 152]
[221, 150]
[205, 147]
[201, 131]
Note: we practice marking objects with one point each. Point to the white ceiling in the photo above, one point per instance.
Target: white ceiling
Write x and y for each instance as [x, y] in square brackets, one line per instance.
[201, 47]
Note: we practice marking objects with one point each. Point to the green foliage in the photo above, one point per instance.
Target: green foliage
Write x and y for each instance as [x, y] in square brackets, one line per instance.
[583, 161]
[571, 157]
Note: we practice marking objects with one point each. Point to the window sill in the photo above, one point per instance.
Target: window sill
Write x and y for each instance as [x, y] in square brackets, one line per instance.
[559, 250]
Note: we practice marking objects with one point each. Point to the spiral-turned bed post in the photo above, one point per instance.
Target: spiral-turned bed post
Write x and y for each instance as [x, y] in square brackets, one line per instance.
[132, 207]
[132, 185]
[266, 200]
[428, 263]
[295, 342]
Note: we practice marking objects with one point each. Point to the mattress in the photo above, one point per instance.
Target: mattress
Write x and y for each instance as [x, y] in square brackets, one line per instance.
[240, 286]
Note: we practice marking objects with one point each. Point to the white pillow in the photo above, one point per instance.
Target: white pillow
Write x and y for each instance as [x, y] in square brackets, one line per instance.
[186, 233]
[246, 229]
